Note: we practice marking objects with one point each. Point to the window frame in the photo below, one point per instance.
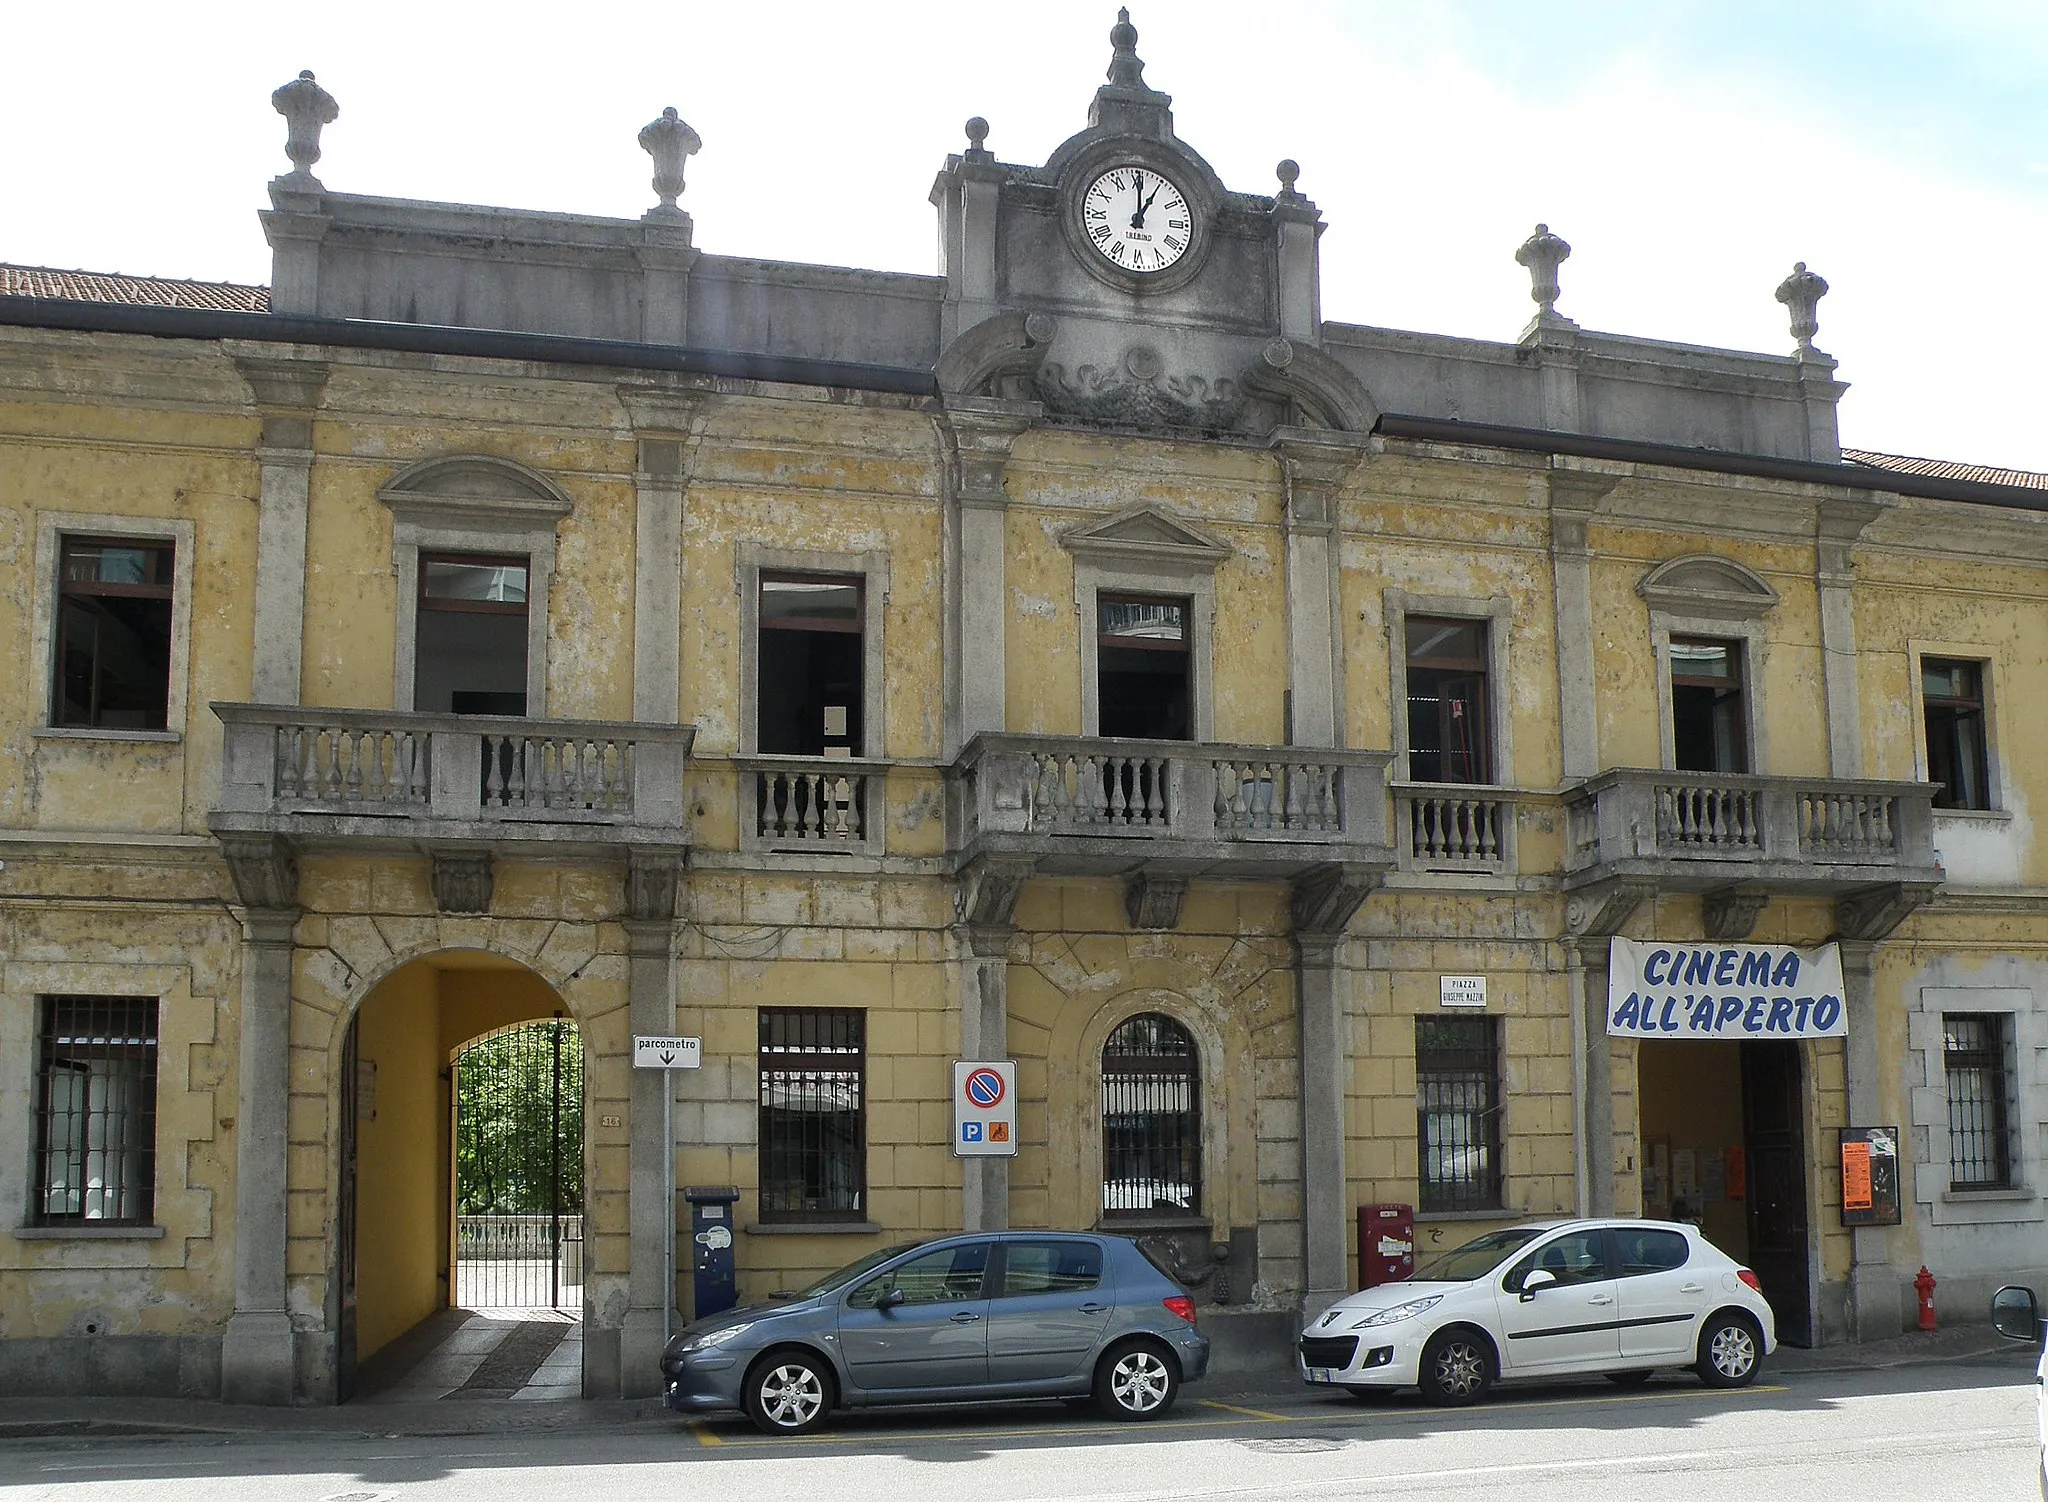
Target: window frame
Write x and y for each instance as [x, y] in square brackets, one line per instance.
[1182, 648]
[2026, 1014]
[1431, 1195]
[480, 505]
[1994, 1063]
[1989, 670]
[1496, 612]
[1749, 634]
[751, 560]
[53, 529]
[1194, 1141]
[1674, 680]
[857, 1211]
[149, 1052]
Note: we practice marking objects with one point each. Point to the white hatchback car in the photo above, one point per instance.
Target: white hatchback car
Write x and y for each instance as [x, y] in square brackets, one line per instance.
[1551, 1298]
[2017, 1316]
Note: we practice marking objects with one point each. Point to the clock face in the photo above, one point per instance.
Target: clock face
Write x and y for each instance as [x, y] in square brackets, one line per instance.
[1137, 219]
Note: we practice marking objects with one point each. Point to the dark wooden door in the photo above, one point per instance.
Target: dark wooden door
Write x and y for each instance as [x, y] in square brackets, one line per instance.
[345, 1225]
[1774, 1143]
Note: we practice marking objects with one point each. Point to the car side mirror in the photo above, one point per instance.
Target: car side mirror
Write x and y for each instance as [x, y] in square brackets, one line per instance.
[2015, 1314]
[1535, 1278]
[888, 1298]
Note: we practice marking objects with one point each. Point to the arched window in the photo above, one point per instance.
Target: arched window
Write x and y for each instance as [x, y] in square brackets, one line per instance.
[1151, 1119]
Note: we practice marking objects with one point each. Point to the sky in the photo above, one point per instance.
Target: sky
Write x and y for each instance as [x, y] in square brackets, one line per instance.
[1689, 152]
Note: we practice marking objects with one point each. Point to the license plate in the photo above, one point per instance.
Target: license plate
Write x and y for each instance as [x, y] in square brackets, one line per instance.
[1321, 1374]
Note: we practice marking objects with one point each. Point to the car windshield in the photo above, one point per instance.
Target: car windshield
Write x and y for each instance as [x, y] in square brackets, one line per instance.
[854, 1270]
[1475, 1259]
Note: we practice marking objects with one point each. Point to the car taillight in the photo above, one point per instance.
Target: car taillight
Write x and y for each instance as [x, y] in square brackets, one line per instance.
[1750, 1278]
[1181, 1305]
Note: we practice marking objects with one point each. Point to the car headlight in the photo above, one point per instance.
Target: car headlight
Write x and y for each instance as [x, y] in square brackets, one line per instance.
[1400, 1312]
[714, 1337]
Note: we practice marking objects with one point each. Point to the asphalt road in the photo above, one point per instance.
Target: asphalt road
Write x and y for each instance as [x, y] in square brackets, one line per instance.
[1959, 1431]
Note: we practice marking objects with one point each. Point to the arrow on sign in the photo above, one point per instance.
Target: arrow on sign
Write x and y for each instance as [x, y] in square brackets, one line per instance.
[667, 1058]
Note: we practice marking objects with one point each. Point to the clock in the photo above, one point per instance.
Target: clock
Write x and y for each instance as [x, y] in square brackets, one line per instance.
[1137, 219]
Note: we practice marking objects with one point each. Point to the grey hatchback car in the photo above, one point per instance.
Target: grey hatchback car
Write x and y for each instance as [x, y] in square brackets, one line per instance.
[1001, 1315]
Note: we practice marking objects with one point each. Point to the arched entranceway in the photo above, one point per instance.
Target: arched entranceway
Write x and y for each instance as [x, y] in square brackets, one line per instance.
[399, 1276]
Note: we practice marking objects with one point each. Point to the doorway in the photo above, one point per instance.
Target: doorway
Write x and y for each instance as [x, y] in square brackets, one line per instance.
[458, 1258]
[519, 1169]
[1723, 1145]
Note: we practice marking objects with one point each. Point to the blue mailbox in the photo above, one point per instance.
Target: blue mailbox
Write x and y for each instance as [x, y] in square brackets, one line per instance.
[714, 1288]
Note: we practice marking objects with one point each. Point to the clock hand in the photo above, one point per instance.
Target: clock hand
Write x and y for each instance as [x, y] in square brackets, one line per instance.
[1139, 222]
[1138, 191]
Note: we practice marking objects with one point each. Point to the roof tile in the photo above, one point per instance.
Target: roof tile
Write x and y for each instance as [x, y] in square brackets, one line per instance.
[157, 291]
[1947, 469]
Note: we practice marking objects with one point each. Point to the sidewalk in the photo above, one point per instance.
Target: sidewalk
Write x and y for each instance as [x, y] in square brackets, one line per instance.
[110, 1416]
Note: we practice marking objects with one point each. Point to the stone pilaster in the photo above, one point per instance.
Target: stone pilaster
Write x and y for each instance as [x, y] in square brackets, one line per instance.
[650, 1193]
[287, 393]
[1324, 903]
[1574, 501]
[1592, 917]
[1838, 525]
[1315, 465]
[257, 1362]
[984, 902]
[664, 420]
[979, 433]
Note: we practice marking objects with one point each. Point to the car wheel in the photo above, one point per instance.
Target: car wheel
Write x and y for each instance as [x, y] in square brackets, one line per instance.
[1631, 1379]
[1457, 1368]
[789, 1393]
[1136, 1381]
[1730, 1352]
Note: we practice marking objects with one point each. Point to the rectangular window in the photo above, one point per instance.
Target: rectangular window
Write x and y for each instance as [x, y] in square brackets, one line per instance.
[1449, 739]
[470, 635]
[1709, 715]
[114, 634]
[1952, 699]
[1974, 1047]
[813, 1142]
[96, 1111]
[1458, 1108]
[809, 697]
[1141, 667]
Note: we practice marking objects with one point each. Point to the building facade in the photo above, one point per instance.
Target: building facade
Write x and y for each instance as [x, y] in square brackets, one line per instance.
[1256, 727]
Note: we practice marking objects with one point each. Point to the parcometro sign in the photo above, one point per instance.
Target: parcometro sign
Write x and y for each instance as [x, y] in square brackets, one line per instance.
[1724, 991]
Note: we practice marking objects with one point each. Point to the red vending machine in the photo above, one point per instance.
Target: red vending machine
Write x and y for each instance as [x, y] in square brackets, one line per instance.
[1386, 1244]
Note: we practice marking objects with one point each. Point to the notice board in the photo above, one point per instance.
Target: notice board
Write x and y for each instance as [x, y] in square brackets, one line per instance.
[1870, 1176]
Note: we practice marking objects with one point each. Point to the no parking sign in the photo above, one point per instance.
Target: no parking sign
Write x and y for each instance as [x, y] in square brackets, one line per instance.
[984, 1109]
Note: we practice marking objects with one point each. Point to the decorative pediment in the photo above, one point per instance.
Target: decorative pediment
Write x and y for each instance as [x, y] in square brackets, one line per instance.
[1147, 534]
[475, 491]
[1701, 584]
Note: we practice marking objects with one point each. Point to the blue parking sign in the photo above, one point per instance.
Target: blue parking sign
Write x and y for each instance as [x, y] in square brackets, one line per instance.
[970, 1131]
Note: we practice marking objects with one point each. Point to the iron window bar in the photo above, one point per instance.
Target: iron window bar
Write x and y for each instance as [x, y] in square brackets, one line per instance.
[813, 1114]
[96, 1111]
[1151, 1119]
[1973, 1057]
[1458, 1111]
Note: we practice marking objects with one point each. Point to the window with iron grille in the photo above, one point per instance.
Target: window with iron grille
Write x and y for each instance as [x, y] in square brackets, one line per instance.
[1151, 1119]
[1457, 1109]
[114, 634]
[1974, 1047]
[813, 1144]
[96, 1111]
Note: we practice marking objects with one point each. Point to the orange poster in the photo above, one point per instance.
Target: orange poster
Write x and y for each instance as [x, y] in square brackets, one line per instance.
[1736, 1184]
[1855, 1175]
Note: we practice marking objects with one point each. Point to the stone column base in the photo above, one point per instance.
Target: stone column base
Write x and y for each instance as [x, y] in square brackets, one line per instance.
[640, 1341]
[256, 1358]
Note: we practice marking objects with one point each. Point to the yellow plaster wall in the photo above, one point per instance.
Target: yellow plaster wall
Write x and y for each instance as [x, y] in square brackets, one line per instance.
[402, 1169]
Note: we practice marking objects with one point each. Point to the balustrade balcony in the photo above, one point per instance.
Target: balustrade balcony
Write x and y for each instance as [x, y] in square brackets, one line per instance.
[1097, 805]
[1455, 829]
[812, 805]
[1697, 831]
[353, 776]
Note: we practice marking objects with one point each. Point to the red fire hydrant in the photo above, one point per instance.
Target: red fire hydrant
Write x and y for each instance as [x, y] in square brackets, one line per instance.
[1924, 1286]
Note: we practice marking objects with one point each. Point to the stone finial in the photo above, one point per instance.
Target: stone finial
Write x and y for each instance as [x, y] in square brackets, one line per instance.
[670, 141]
[977, 135]
[1801, 293]
[305, 107]
[1289, 173]
[1126, 70]
[1543, 253]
